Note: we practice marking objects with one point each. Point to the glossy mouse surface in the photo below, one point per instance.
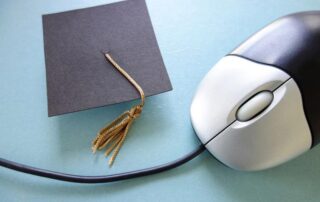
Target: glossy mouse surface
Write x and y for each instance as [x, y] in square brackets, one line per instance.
[259, 106]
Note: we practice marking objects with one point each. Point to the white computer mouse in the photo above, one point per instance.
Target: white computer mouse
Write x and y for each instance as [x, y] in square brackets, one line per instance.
[259, 106]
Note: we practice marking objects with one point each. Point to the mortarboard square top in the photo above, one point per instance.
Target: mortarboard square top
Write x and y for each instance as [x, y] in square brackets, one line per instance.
[78, 75]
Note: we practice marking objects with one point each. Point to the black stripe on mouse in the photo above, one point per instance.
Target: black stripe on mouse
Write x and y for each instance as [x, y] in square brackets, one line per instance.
[292, 43]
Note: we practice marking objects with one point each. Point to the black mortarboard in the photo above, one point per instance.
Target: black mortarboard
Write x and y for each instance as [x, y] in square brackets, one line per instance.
[78, 75]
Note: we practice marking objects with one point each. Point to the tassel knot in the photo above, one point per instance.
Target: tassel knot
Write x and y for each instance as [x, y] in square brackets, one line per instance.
[135, 111]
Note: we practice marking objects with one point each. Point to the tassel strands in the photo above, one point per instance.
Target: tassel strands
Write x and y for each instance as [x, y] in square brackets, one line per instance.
[113, 135]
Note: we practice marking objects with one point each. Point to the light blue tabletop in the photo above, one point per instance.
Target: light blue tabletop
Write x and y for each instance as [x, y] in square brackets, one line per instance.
[192, 36]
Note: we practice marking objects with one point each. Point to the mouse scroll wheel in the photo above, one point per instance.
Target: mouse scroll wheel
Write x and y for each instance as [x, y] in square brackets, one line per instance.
[254, 106]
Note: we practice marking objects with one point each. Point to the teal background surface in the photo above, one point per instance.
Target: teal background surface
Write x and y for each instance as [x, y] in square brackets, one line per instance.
[192, 35]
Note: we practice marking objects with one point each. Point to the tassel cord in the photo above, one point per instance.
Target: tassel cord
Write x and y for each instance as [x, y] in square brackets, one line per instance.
[113, 135]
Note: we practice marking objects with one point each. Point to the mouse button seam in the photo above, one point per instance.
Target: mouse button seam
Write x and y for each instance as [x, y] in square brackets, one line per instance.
[219, 132]
[250, 119]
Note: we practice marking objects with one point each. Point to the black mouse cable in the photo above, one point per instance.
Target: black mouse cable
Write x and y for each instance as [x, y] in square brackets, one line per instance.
[100, 179]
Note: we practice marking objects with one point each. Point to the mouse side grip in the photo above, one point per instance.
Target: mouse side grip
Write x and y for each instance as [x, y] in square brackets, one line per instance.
[292, 43]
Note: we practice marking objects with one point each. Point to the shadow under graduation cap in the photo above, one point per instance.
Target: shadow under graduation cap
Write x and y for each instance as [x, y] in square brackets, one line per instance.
[78, 75]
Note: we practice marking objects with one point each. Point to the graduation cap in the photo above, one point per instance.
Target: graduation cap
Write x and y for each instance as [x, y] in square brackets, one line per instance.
[78, 75]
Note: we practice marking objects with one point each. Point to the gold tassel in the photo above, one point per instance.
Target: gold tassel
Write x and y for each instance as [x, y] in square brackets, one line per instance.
[113, 135]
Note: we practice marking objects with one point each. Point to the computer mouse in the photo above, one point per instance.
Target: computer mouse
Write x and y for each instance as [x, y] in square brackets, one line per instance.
[259, 106]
